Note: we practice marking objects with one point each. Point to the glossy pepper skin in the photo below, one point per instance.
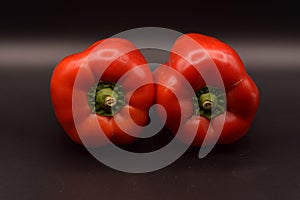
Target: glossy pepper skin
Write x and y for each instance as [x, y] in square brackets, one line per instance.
[118, 57]
[242, 95]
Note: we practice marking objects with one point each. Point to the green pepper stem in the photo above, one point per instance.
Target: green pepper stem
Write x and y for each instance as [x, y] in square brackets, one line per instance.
[110, 101]
[106, 98]
[209, 102]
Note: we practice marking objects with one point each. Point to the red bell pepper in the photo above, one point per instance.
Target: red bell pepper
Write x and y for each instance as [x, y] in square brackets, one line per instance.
[103, 99]
[236, 102]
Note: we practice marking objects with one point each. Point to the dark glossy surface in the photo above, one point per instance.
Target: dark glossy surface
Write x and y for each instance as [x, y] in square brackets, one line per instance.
[38, 161]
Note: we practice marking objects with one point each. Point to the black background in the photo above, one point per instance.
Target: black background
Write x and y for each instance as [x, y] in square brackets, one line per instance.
[38, 161]
[75, 18]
